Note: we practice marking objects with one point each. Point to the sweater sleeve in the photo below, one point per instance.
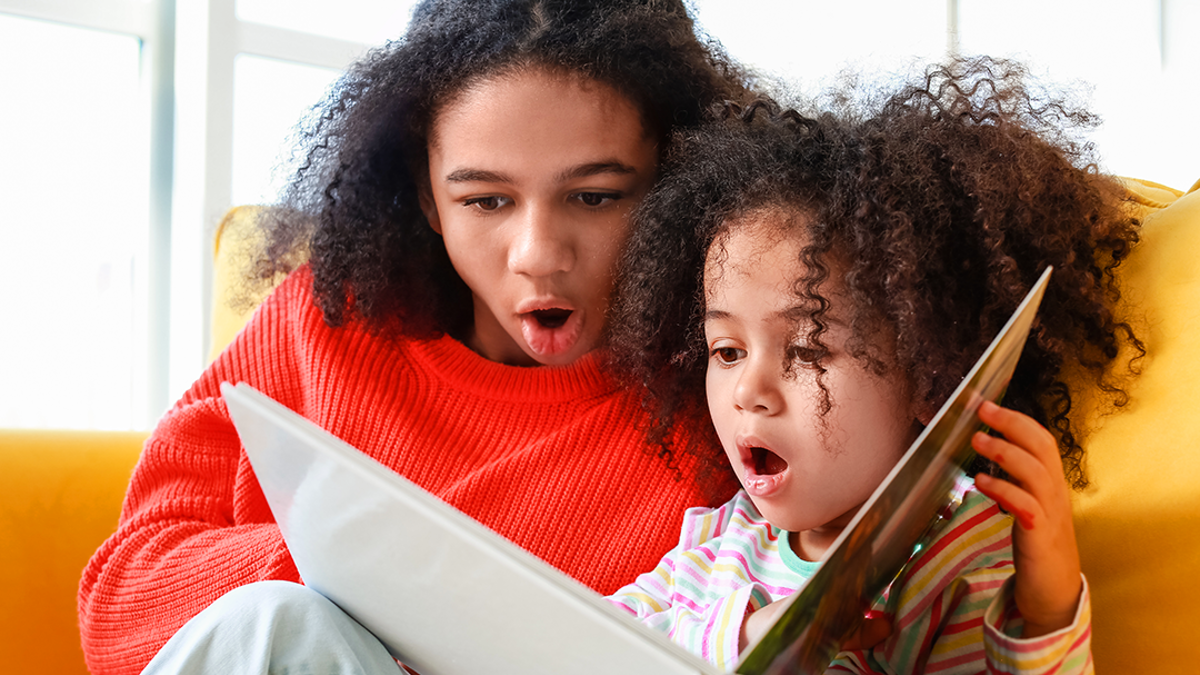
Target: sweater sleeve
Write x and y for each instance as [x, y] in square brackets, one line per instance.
[188, 531]
[1067, 651]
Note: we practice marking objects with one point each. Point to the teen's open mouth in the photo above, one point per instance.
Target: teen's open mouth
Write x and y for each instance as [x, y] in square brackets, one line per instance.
[551, 318]
[552, 331]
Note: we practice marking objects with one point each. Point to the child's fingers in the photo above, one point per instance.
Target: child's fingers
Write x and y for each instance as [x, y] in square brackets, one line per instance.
[874, 630]
[1023, 466]
[1012, 499]
[1024, 432]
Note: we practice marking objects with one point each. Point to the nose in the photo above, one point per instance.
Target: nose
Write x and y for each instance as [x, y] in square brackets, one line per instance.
[542, 244]
[758, 388]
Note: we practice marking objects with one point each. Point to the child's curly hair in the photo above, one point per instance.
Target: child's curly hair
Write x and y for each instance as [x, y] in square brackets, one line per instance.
[940, 206]
[352, 208]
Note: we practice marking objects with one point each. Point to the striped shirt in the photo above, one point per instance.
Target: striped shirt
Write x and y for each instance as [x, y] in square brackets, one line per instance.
[952, 606]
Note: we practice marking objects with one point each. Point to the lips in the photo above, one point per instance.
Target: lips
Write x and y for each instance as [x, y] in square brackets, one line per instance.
[763, 471]
[551, 330]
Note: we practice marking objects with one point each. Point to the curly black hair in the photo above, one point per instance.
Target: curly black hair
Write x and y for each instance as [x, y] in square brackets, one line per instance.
[352, 207]
[938, 207]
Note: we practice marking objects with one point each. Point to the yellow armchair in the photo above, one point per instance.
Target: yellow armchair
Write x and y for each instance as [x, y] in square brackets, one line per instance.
[60, 492]
[1137, 522]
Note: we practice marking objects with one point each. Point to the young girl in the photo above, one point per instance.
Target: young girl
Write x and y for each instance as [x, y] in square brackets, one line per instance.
[853, 268]
[463, 197]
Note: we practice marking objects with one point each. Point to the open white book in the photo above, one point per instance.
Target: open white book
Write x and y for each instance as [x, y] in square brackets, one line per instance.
[448, 596]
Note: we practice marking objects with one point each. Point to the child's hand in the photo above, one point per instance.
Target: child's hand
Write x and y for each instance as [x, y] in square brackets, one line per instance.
[755, 625]
[875, 628]
[1048, 580]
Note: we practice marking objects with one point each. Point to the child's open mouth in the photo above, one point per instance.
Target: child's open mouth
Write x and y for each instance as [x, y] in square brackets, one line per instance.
[767, 463]
[551, 331]
[763, 470]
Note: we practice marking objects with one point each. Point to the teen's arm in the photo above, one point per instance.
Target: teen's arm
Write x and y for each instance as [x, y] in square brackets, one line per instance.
[194, 524]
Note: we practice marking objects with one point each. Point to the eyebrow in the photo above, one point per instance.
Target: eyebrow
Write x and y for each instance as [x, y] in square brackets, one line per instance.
[477, 176]
[572, 173]
[596, 168]
[793, 314]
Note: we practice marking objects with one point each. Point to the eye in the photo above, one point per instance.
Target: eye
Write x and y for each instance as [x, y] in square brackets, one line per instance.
[805, 354]
[727, 356]
[597, 199]
[489, 203]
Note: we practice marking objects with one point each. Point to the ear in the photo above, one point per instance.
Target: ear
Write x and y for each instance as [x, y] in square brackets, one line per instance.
[924, 412]
[428, 206]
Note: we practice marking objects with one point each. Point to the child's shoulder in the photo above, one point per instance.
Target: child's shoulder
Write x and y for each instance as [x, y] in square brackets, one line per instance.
[972, 543]
[974, 523]
[702, 524]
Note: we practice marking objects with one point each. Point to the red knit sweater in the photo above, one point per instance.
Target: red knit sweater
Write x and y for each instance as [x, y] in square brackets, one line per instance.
[551, 458]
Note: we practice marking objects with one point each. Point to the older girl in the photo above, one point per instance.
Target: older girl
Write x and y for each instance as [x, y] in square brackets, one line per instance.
[463, 198]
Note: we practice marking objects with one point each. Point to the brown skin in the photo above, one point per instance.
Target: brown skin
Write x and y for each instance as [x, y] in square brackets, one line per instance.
[532, 175]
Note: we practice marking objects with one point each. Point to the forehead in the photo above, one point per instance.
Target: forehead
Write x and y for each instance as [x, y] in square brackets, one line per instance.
[763, 243]
[533, 98]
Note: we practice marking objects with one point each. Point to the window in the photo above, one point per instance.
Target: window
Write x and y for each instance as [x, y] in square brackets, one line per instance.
[140, 122]
[269, 96]
[73, 248]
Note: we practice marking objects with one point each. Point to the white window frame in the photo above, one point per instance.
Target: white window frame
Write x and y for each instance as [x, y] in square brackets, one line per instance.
[209, 39]
[188, 53]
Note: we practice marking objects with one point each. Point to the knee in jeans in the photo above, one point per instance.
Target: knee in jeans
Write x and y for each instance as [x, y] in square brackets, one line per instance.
[275, 599]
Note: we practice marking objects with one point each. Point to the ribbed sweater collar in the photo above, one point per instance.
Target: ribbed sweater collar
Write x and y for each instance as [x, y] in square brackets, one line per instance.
[453, 362]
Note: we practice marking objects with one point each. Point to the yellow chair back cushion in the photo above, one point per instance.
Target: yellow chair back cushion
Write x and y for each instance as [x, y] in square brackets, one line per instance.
[1138, 523]
[62, 493]
[234, 298]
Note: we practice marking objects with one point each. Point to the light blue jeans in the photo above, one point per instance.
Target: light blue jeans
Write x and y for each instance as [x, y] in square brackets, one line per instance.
[273, 628]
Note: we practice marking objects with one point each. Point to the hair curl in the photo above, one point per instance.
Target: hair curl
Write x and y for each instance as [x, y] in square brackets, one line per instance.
[938, 208]
[352, 207]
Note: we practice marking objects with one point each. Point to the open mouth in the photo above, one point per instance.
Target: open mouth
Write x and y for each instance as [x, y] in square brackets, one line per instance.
[552, 331]
[551, 318]
[767, 463]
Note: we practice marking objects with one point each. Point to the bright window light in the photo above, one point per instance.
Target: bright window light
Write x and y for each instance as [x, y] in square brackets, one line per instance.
[269, 98]
[1112, 50]
[366, 21]
[73, 227]
[810, 41]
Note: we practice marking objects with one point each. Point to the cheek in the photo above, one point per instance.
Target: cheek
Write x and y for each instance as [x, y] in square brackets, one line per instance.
[890, 430]
[600, 253]
[475, 253]
[608, 242]
[716, 386]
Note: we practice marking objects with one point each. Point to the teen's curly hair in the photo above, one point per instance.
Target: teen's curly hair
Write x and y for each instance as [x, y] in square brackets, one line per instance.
[938, 208]
[352, 207]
